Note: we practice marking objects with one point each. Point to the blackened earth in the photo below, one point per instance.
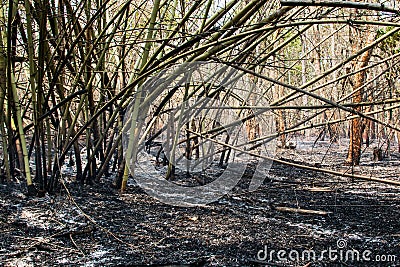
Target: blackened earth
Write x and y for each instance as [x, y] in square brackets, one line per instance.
[99, 226]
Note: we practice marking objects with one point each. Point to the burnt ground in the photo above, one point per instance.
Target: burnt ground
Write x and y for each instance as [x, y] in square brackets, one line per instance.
[98, 226]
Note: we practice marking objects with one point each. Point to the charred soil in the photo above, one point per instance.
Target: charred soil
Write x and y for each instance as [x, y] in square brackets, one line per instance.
[99, 226]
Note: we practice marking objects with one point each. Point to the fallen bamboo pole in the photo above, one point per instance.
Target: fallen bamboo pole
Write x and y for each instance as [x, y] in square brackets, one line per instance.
[303, 211]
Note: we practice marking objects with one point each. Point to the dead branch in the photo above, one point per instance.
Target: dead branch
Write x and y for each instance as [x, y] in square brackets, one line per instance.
[303, 211]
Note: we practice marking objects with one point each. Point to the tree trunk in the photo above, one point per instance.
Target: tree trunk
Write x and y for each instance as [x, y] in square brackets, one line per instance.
[356, 129]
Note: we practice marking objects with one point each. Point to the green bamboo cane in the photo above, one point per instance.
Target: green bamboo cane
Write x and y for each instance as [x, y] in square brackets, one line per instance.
[132, 147]
[9, 107]
[120, 65]
[3, 89]
[21, 134]
[32, 82]
[91, 158]
[99, 110]
[90, 79]
[131, 85]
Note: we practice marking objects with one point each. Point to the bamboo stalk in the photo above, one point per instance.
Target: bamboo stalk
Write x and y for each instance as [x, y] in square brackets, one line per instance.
[133, 133]
[22, 136]
[247, 31]
[3, 90]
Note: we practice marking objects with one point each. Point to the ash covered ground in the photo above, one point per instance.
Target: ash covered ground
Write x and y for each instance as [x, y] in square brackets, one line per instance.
[99, 226]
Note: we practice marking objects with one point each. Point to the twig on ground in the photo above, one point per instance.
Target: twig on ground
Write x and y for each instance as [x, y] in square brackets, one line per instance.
[92, 220]
[303, 211]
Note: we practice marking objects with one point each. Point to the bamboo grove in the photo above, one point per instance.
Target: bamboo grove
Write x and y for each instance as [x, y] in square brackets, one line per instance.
[69, 69]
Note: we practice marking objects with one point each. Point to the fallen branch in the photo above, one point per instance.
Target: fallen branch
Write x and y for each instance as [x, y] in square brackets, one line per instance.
[39, 241]
[303, 211]
[70, 197]
[319, 189]
[76, 245]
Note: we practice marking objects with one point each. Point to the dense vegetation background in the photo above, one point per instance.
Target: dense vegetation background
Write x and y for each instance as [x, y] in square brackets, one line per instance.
[68, 71]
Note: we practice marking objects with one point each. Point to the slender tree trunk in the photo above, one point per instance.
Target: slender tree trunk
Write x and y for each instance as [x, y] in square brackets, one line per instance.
[281, 120]
[356, 128]
[281, 117]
